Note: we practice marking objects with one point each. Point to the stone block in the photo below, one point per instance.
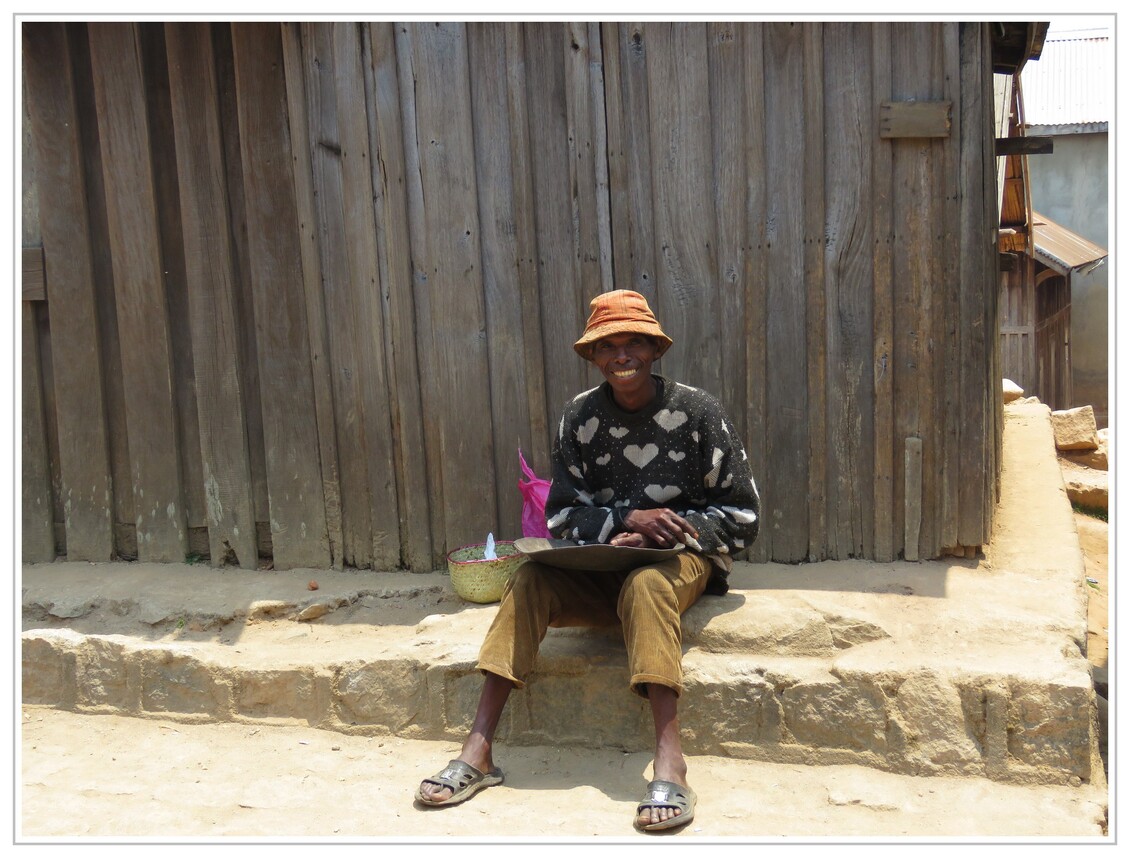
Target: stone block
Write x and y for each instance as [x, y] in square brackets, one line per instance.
[1011, 390]
[834, 714]
[592, 709]
[178, 682]
[387, 693]
[744, 709]
[1087, 488]
[1075, 429]
[936, 738]
[285, 693]
[48, 660]
[1046, 732]
[102, 675]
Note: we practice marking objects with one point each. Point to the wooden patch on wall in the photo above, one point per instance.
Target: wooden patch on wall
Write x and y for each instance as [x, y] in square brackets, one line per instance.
[914, 119]
[34, 285]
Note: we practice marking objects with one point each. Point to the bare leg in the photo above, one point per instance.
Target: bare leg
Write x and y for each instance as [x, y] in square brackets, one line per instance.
[669, 764]
[477, 747]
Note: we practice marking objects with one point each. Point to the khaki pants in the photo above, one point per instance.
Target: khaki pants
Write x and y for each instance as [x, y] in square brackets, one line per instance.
[648, 601]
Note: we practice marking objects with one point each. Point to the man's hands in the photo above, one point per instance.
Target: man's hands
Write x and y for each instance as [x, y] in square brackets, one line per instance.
[651, 528]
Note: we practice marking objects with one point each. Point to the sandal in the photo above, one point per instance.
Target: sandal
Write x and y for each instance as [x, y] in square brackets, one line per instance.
[464, 780]
[667, 794]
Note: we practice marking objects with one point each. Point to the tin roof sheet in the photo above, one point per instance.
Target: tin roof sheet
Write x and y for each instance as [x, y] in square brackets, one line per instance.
[1061, 249]
[1071, 83]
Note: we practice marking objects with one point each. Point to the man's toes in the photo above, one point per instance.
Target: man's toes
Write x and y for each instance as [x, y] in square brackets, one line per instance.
[435, 792]
[652, 815]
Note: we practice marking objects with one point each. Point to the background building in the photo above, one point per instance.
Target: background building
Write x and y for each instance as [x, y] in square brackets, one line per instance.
[1068, 96]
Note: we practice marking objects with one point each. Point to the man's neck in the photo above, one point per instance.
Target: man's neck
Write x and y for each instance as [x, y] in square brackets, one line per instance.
[637, 400]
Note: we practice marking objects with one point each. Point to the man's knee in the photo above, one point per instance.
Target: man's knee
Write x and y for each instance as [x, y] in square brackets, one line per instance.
[647, 587]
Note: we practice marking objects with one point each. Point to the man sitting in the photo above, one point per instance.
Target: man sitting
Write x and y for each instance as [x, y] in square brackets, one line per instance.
[639, 461]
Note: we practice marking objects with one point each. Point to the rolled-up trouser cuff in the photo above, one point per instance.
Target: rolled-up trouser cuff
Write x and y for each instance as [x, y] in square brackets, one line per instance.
[641, 681]
[500, 671]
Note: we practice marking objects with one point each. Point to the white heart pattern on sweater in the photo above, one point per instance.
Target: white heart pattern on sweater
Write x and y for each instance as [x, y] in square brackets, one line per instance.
[618, 431]
[662, 494]
[585, 433]
[670, 420]
[640, 456]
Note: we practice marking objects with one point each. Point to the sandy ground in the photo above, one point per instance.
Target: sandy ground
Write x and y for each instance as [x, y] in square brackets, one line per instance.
[150, 778]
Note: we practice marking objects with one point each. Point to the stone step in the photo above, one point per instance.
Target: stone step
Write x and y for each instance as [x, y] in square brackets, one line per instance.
[869, 666]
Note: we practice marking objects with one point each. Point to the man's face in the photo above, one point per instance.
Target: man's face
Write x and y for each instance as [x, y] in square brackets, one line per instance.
[625, 360]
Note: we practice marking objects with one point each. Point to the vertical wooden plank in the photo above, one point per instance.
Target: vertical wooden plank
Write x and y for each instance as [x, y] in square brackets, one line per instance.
[313, 283]
[141, 305]
[123, 515]
[210, 281]
[541, 421]
[334, 294]
[848, 266]
[815, 286]
[913, 276]
[617, 155]
[686, 232]
[949, 406]
[361, 255]
[297, 503]
[883, 366]
[598, 109]
[85, 488]
[564, 302]
[913, 494]
[244, 304]
[151, 38]
[386, 129]
[47, 374]
[731, 137]
[36, 502]
[629, 134]
[787, 447]
[931, 62]
[585, 140]
[988, 432]
[757, 279]
[507, 230]
[450, 295]
[430, 389]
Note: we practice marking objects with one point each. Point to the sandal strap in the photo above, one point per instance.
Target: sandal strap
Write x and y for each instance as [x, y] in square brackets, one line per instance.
[667, 794]
[457, 776]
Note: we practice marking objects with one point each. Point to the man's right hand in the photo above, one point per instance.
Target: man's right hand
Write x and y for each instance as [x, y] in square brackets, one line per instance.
[662, 526]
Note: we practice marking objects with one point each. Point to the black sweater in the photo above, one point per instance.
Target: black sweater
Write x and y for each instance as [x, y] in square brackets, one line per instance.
[680, 452]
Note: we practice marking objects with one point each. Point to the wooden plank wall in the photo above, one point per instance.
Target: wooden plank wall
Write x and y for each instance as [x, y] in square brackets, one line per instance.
[311, 286]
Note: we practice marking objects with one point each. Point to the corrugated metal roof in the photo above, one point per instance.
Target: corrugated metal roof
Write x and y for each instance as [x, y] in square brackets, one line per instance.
[1071, 83]
[1061, 249]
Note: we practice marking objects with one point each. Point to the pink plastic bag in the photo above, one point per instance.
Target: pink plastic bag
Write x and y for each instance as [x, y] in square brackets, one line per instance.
[534, 492]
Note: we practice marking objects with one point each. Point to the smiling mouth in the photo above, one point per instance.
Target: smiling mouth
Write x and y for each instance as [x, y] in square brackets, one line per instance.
[625, 373]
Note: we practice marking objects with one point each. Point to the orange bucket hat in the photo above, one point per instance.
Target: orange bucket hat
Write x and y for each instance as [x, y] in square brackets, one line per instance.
[620, 312]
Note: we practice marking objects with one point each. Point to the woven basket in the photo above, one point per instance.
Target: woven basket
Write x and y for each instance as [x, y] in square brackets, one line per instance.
[479, 580]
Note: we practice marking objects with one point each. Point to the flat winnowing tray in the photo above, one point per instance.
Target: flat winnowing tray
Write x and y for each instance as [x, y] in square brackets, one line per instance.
[565, 554]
